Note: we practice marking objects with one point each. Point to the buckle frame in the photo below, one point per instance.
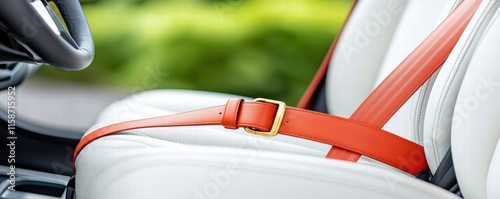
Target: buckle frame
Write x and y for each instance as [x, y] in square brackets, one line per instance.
[280, 112]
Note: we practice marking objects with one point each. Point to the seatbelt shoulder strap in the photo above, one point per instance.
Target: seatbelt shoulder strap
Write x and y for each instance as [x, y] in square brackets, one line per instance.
[411, 73]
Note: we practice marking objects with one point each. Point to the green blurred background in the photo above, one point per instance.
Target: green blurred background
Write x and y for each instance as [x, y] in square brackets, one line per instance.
[256, 48]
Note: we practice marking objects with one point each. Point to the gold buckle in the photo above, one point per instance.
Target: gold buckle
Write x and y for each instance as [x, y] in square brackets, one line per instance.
[277, 119]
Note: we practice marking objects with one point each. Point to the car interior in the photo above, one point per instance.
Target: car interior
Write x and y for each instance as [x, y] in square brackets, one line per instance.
[454, 116]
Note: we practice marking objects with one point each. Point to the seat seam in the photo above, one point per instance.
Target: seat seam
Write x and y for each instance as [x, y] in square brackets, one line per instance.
[421, 113]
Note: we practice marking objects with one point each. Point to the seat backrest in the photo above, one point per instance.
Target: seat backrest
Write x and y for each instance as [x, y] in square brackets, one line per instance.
[475, 115]
[457, 106]
[376, 38]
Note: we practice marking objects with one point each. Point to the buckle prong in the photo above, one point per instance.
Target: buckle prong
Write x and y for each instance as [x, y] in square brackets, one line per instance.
[277, 119]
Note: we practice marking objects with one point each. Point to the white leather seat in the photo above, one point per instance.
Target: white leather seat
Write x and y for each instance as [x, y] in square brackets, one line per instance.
[458, 107]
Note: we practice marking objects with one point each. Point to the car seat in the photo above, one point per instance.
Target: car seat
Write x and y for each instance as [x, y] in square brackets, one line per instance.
[457, 108]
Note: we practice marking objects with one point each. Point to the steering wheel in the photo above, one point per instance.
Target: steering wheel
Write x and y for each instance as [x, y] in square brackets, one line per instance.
[42, 37]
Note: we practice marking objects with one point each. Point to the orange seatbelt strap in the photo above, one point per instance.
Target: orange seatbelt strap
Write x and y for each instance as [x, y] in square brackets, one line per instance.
[355, 134]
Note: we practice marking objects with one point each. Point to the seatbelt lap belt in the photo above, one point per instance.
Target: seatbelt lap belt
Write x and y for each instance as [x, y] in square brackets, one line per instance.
[361, 134]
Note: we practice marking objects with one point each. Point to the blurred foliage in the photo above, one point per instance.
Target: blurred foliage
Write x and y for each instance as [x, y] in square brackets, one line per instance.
[256, 48]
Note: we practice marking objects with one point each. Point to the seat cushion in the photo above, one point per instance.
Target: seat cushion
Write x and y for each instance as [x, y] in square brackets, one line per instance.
[213, 162]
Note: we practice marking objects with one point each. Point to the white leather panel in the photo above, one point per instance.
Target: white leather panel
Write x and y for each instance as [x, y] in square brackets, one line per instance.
[493, 181]
[156, 102]
[440, 108]
[475, 125]
[135, 166]
[418, 21]
[360, 52]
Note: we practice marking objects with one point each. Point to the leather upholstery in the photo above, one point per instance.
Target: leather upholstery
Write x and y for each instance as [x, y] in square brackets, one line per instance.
[154, 168]
[372, 63]
[475, 127]
[438, 122]
[457, 107]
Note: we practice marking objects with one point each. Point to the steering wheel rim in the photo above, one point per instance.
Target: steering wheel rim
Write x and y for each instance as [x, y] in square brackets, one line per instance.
[50, 43]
